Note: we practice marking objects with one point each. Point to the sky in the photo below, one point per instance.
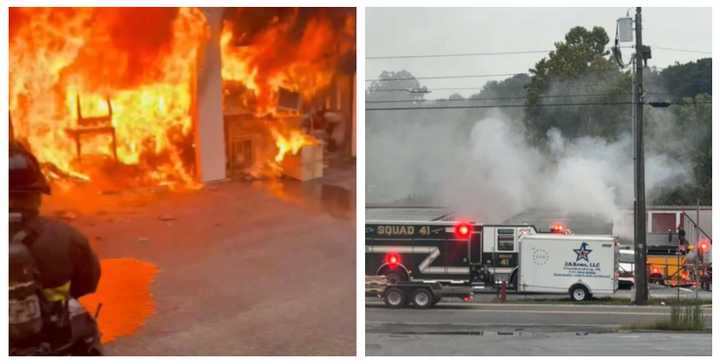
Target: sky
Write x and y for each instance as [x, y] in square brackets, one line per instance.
[414, 31]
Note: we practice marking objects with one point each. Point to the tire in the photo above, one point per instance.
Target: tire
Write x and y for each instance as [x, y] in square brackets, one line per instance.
[422, 298]
[394, 297]
[395, 277]
[579, 293]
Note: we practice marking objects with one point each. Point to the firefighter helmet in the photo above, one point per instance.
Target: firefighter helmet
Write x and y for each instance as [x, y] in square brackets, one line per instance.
[25, 174]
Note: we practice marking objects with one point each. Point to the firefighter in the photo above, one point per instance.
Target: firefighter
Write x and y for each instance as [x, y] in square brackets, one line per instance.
[64, 265]
[683, 243]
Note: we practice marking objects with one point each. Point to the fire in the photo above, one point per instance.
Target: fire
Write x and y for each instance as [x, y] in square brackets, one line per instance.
[298, 50]
[291, 141]
[141, 59]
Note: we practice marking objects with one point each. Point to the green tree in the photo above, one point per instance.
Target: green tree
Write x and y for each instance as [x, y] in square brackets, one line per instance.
[688, 79]
[395, 86]
[578, 71]
[692, 134]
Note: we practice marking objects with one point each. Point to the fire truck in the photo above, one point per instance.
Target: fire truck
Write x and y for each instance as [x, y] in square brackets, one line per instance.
[459, 256]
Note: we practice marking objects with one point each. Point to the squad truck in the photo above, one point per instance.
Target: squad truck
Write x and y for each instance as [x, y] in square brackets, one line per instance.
[439, 258]
[442, 251]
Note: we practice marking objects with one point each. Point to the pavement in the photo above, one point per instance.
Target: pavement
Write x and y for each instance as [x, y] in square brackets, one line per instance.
[242, 267]
[554, 344]
[459, 328]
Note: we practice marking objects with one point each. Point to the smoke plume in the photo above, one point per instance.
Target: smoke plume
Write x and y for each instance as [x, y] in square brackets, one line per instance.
[488, 171]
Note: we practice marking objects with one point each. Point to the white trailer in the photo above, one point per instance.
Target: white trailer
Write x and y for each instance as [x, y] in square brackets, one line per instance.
[580, 265]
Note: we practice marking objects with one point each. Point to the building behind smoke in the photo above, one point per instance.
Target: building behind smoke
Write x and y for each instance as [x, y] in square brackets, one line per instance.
[663, 223]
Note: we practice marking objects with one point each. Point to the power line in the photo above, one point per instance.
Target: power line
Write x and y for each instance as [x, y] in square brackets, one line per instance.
[469, 54]
[496, 106]
[504, 53]
[496, 98]
[681, 50]
[520, 105]
[442, 77]
[433, 89]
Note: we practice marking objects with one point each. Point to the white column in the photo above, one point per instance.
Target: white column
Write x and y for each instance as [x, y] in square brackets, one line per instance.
[354, 113]
[209, 125]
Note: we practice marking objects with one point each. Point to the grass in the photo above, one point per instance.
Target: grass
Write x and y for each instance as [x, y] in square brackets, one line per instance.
[683, 317]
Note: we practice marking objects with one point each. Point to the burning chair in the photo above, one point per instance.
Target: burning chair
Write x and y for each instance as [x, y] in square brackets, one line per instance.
[95, 125]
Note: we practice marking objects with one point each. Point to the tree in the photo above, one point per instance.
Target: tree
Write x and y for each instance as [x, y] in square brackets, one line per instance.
[512, 87]
[690, 140]
[578, 71]
[688, 79]
[456, 97]
[396, 86]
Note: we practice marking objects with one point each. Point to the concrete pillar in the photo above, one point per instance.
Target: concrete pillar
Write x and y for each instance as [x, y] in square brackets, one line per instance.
[209, 124]
[354, 113]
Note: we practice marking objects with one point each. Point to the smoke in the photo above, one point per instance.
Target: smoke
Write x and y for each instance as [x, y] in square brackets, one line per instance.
[488, 171]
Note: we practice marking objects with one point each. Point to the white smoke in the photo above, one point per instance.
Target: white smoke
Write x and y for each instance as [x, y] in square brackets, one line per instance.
[492, 173]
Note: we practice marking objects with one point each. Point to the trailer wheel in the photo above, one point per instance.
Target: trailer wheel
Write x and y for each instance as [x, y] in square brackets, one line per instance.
[394, 297]
[579, 293]
[422, 298]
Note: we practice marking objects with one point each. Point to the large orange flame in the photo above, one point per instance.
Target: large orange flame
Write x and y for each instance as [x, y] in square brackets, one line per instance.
[299, 50]
[142, 59]
[277, 57]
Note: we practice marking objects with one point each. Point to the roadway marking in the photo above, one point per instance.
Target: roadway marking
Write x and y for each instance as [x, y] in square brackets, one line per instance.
[490, 324]
[570, 312]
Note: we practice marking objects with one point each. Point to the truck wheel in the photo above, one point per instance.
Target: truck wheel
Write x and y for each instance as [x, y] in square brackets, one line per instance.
[579, 293]
[422, 298]
[394, 297]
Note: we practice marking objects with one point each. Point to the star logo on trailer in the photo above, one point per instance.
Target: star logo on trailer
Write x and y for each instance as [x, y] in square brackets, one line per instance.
[583, 252]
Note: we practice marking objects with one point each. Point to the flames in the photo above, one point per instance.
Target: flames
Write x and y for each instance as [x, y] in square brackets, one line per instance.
[265, 50]
[143, 60]
[290, 141]
[299, 50]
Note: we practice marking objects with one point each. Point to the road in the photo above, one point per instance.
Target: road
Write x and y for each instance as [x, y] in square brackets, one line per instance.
[524, 329]
[243, 268]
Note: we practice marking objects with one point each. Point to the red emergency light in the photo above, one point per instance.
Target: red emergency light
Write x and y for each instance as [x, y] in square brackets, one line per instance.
[392, 259]
[558, 229]
[463, 230]
[703, 246]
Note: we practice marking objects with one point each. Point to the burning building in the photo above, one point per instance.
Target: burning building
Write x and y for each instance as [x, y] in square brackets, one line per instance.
[180, 96]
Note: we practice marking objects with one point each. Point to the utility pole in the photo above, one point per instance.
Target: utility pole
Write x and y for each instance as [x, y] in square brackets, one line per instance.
[641, 283]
